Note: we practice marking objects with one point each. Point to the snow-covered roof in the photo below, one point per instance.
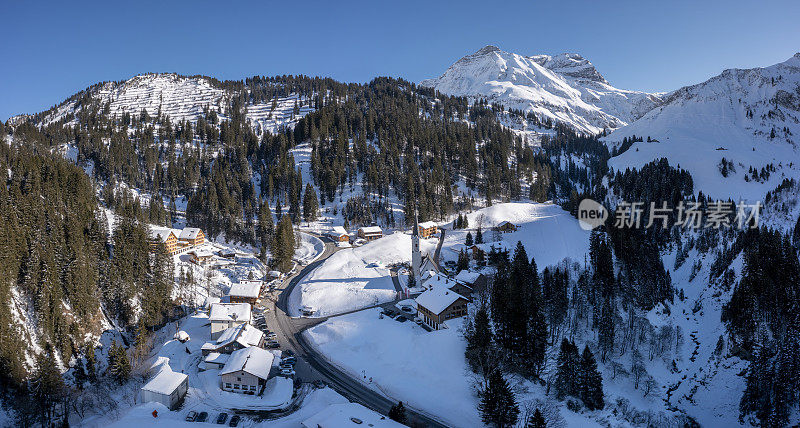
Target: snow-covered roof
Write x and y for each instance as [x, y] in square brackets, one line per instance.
[338, 231]
[229, 312]
[255, 361]
[275, 274]
[202, 253]
[217, 358]
[189, 233]
[245, 290]
[347, 415]
[371, 229]
[468, 276]
[437, 299]
[504, 222]
[165, 382]
[427, 224]
[160, 233]
[245, 334]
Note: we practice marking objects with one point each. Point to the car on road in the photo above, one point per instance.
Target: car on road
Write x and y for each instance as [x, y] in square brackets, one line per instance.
[287, 372]
[222, 418]
[234, 421]
[202, 417]
[272, 336]
[191, 416]
[273, 344]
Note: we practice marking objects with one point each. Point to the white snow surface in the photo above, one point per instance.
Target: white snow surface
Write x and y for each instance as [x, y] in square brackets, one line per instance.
[548, 233]
[354, 278]
[699, 125]
[566, 88]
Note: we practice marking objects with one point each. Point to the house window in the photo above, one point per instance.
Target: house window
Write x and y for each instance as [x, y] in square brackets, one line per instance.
[235, 386]
[238, 379]
[252, 387]
[227, 385]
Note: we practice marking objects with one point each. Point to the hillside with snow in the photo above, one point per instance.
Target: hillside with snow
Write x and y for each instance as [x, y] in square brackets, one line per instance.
[178, 97]
[751, 118]
[565, 88]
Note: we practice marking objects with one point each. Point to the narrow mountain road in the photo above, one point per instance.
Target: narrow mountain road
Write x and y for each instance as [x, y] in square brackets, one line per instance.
[312, 366]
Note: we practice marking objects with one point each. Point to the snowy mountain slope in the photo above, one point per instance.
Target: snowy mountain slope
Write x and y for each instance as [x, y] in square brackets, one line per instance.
[750, 117]
[565, 88]
[179, 97]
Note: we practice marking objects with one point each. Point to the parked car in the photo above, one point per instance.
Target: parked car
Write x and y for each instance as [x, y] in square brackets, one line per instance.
[418, 321]
[202, 417]
[287, 372]
[222, 418]
[273, 344]
[289, 360]
[408, 309]
[272, 336]
[191, 416]
[234, 421]
[288, 352]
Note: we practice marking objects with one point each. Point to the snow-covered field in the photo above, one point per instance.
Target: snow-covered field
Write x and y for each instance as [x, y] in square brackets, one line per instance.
[424, 369]
[354, 278]
[548, 233]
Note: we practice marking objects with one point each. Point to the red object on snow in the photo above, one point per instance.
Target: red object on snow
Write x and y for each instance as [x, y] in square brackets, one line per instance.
[155, 413]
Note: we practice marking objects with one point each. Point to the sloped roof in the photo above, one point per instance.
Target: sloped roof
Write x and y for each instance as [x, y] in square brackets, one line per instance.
[255, 361]
[165, 382]
[229, 312]
[159, 233]
[245, 334]
[427, 224]
[217, 358]
[189, 233]
[437, 299]
[371, 229]
[337, 231]
[245, 290]
[468, 276]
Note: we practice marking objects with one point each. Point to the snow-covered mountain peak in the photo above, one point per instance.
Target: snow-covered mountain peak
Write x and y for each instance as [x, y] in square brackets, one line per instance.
[565, 88]
[572, 65]
[749, 117]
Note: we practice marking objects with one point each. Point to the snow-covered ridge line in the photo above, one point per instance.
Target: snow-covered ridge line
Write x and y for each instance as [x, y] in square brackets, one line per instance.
[565, 88]
[749, 117]
[178, 97]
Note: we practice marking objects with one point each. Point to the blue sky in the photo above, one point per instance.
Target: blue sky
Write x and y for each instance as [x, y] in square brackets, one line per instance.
[52, 51]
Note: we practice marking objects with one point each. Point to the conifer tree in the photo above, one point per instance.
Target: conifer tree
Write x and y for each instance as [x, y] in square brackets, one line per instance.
[310, 204]
[536, 420]
[479, 236]
[47, 387]
[498, 405]
[591, 382]
[119, 367]
[566, 382]
[469, 239]
[265, 227]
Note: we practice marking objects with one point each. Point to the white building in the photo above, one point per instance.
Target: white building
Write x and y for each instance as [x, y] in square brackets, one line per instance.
[349, 415]
[166, 387]
[226, 315]
[246, 370]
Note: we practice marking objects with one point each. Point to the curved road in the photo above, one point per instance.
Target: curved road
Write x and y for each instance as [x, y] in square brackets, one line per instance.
[311, 365]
